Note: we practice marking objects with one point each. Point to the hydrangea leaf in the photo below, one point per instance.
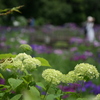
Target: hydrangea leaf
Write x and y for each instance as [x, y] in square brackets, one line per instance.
[2, 94]
[4, 56]
[43, 61]
[14, 82]
[32, 93]
[1, 76]
[40, 84]
[28, 96]
[81, 99]
[16, 97]
[50, 97]
[28, 78]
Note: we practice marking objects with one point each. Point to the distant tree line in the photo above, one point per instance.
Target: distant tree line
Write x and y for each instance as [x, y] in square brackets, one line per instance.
[56, 12]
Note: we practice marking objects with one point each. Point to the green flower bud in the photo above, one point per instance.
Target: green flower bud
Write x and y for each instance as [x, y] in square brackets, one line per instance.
[25, 47]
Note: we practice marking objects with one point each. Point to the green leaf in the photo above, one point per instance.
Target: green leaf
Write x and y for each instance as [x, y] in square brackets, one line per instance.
[14, 82]
[43, 61]
[40, 84]
[16, 97]
[28, 78]
[82, 99]
[35, 91]
[4, 56]
[50, 97]
[1, 76]
[32, 93]
[2, 94]
[3, 10]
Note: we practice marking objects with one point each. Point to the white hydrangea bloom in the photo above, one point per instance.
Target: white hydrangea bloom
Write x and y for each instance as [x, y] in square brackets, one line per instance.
[37, 62]
[22, 56]
[97, 97]
[52, 75]
[31, 63]
[18, 64]
[86, 70]
[71, 77]
[7, 63]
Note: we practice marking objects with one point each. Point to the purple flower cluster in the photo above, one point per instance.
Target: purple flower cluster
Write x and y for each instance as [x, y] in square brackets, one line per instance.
[89, 87]
[71, 87]
[76, 40]
[80, 87]
[41, 48]
[2, 81]
[78, 56]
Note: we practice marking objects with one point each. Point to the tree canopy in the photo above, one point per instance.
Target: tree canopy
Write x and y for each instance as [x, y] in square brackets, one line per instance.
[56, 12]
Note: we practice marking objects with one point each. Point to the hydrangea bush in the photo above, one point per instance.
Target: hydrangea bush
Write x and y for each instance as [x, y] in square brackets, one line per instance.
[17, 81]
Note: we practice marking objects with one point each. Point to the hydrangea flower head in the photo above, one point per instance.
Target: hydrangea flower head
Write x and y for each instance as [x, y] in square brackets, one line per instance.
[52, 75]
[71, 77]
[22, 56]
[6, 63]
[18, 64]
[97, 97]
[37, 62]
[31, 63]
[25, 47]
[86, 70]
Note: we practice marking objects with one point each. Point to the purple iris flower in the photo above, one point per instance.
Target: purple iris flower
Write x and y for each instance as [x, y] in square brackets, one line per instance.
[71, 87]
[79, 57]
[89, 87]
[89, 84]
[96, 90]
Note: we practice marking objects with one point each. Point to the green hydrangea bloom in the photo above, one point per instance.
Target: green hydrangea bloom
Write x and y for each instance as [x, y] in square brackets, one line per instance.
[8, 63]
[71, 77]
[18, 64]
[86, 71]
[25, 47]
[22, 56]
[21, 61]
[97, 97]
[52, 75]
[37, 62]
[12, 64]
[31, 63]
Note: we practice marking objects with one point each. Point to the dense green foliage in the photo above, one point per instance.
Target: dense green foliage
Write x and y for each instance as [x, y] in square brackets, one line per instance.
[56, 11]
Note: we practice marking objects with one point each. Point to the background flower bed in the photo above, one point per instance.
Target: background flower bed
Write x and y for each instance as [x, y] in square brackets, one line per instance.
[68, 52]
[62, 56]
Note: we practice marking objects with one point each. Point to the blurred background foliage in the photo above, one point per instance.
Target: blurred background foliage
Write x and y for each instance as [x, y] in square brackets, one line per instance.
[55, 12]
